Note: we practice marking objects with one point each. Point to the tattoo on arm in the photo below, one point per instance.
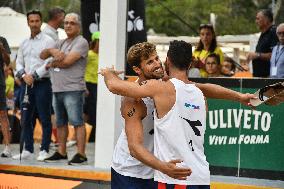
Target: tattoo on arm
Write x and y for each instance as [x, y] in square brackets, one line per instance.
[131, 112]
[142, 83]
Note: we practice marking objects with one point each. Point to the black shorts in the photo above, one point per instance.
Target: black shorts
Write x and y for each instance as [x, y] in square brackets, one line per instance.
[119, 181]
[3, 105]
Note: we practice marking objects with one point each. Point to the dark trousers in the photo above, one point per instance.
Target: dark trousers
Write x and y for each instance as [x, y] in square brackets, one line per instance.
[90, 108]
[40, 99]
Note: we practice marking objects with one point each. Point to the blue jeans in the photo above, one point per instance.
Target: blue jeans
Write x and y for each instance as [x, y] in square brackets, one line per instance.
[68, 107]
[40, 98]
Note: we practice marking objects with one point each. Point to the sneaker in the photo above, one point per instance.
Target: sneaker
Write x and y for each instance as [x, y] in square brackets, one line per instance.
[25, 155]
[6, 152]
[78, 159]
[56, 157]
[42, 155]
[71, 143]
[53, 145]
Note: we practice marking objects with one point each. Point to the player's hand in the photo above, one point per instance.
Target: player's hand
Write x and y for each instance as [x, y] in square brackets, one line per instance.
[175, 172]
[107, 70]
[245, 99]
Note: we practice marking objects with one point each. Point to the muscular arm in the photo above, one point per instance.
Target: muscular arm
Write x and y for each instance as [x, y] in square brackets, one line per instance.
[219, 92]
[131, 89]
[133, 112]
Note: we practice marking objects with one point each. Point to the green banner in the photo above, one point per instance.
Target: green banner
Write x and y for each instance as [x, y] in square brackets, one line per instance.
[241, 138]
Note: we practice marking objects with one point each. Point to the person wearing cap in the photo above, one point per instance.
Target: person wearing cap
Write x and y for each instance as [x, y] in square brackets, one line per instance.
[91, 78]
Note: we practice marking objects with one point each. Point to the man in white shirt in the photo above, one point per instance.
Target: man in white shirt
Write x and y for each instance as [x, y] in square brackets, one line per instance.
[55, 20]
[31, 69]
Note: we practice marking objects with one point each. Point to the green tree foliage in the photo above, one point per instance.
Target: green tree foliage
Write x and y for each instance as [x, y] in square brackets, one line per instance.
[42, 5]
[232, 16]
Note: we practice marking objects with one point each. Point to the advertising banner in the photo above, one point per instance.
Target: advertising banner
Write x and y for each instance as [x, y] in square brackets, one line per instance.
[242, 141]
[136, 31]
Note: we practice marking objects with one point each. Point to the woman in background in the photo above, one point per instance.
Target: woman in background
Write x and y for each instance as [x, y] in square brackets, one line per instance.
[206, 46]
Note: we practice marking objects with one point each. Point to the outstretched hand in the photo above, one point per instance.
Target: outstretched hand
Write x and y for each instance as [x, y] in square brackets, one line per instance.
[175, 172]
[106, 70]
[245, 99]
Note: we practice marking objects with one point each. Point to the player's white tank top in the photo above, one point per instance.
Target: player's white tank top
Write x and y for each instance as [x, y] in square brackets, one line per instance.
[122, 161]
[180, 135]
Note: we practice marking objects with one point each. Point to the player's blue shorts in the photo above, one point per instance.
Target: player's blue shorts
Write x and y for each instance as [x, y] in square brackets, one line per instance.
[175, 186]
[119, 181]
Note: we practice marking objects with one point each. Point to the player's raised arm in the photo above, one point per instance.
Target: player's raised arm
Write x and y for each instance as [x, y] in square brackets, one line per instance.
[219, 92]
[126, 88]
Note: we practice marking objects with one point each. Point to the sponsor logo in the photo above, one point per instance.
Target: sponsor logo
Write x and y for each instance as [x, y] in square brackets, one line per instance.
[191, 106]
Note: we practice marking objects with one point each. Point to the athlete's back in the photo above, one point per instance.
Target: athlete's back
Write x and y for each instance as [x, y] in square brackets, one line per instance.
[179, 134]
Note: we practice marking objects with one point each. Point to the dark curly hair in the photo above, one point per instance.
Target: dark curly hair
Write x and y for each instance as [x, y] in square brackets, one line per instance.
[139, 52]
[180, 54]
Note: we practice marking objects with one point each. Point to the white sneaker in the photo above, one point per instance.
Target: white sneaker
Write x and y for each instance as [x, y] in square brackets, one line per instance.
[6, 152]
[71, 143]
[25, 155]
[42, 155]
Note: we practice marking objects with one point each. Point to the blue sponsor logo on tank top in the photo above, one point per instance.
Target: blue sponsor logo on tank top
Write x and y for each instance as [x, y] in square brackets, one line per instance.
[191, 106]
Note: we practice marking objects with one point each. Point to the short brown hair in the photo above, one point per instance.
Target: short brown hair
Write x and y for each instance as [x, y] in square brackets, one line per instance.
[139, 52]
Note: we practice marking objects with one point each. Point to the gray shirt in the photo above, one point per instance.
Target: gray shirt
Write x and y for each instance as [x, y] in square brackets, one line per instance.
[72, 77]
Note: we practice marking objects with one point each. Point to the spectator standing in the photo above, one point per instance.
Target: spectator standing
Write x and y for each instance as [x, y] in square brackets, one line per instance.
[67, 75]
[206, 46]
[4, 60]
[31, 69]
[277, 57]
[55, 20]
[267, 40]
[91, 78]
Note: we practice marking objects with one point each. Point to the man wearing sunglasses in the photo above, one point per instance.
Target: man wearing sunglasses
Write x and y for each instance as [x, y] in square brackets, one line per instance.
[68, 86]
[277, 57]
